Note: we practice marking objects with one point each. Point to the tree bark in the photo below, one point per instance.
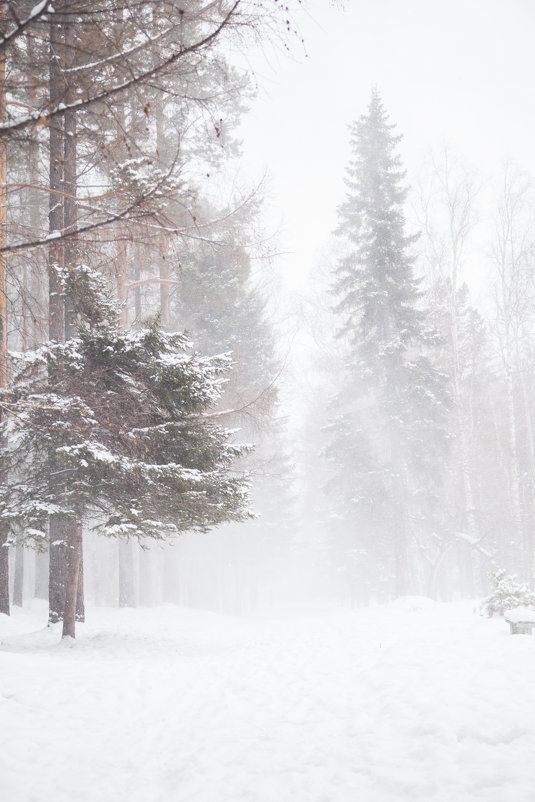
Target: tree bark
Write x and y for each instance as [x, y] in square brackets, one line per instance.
[4, 552]
[4, 576]
[127, 594]
[71, 257]
[55, 214]
[73, 560]
[56, 580]
[163, 242]
[80, 598]
[69, 215]
[56, 300]
[137, 289]
[62, 311]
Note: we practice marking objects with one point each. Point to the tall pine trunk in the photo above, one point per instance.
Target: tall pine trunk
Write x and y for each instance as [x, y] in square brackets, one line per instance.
[71, 257]
[163, 242]
[4, 553]
[62, 257]
[56, 581]
[137, 289]
[125, 552]
[73, 560]
[28, 340]
[56, 300]
[127, 593]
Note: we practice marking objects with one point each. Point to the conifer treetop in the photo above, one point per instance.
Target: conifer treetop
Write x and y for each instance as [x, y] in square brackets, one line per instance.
[375, 284]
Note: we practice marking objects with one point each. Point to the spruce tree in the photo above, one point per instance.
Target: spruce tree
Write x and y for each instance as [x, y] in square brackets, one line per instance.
[124, 419]
[386, 429]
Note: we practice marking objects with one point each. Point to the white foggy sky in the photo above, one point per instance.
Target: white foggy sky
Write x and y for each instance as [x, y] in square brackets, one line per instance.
[458, 73]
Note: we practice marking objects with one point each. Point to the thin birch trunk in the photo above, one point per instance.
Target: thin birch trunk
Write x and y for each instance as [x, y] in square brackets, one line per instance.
[127, 594]
[56, 302]
[127, 591]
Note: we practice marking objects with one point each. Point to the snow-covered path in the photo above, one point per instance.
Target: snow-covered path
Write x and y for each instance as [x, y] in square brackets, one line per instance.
[408, 701]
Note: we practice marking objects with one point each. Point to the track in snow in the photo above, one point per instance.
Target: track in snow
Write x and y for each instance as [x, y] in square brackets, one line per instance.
[411, 701]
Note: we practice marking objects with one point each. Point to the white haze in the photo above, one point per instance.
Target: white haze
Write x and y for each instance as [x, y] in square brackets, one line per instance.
[454, 76]
[255, 667]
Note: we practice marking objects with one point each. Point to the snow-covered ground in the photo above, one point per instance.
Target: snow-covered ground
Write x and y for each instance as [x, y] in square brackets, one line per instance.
[410, 701]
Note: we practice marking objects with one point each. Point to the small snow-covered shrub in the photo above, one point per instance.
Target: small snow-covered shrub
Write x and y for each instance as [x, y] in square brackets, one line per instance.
[507, 593]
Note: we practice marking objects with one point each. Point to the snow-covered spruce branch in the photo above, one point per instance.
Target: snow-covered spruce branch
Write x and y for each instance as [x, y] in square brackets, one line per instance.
[10, 406]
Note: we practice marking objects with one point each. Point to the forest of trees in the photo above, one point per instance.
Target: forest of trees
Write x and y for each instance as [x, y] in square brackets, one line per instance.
[139, 361]
[115, 122]
[425, 409]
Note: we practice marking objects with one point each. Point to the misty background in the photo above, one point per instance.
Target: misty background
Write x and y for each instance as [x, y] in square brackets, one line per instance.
[455, 79]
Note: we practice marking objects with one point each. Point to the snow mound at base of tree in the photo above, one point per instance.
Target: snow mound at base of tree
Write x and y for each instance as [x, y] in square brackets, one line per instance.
[169, 704]
[414, 604]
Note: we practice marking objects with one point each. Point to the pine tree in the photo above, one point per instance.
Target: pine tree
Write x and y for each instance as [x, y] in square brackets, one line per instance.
[386, 430]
